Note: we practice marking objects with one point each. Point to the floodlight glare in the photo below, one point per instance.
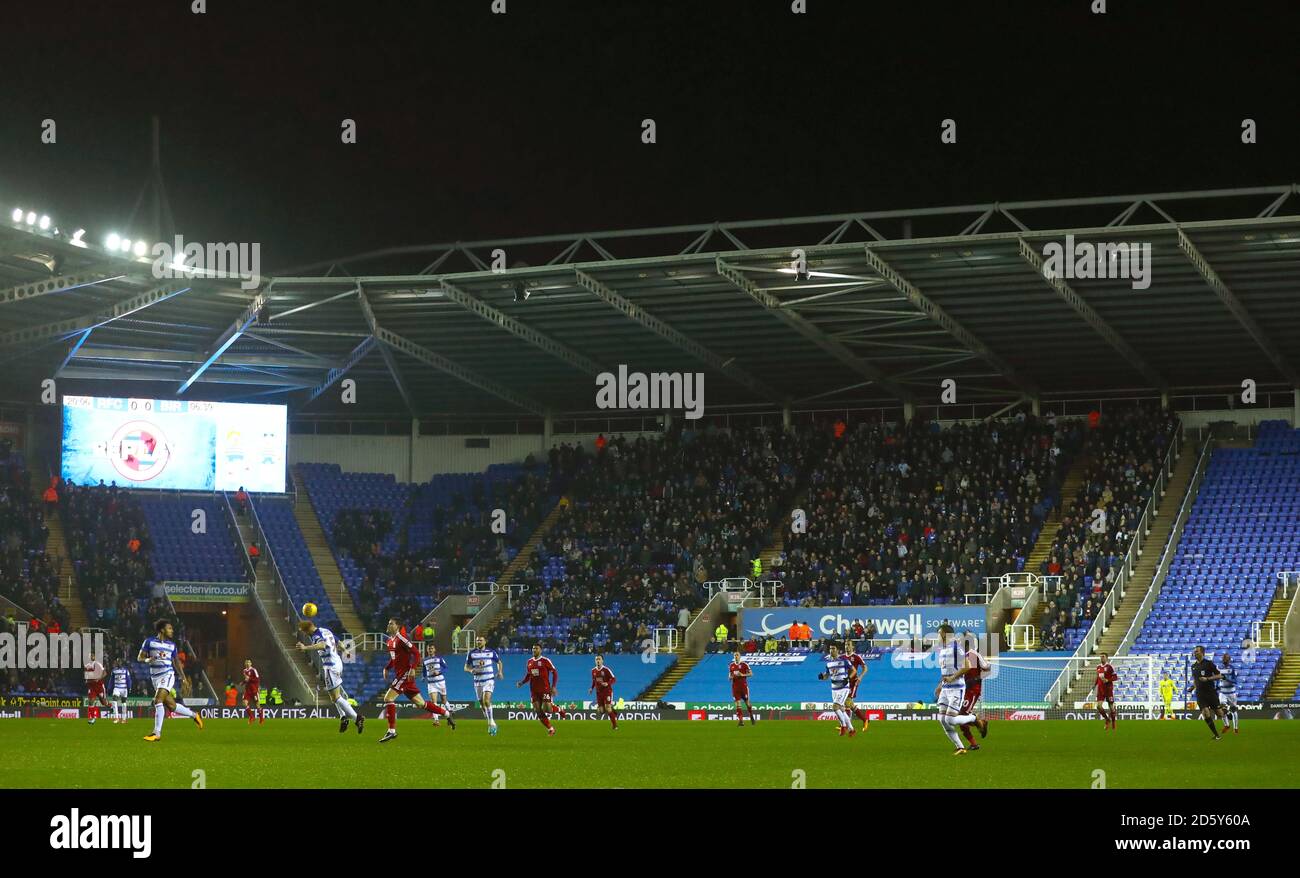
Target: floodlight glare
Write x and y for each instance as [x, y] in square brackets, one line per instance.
[112, 241]
[44, 223]
[18, 214]
[31, 218]
[125, 245]
[139, 249]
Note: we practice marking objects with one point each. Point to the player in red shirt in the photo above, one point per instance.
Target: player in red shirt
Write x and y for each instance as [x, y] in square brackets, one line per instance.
[541, 676]
[860, 666]
[94, 672]
[740, 673]
[404, 658]
[252, 683]
[976, 667]
[1105, 689]
[602, 683]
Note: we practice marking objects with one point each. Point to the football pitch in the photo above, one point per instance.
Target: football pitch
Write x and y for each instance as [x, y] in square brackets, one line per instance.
[773, 754]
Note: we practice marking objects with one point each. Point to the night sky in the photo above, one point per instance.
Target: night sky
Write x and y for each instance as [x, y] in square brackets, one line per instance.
[474, 125]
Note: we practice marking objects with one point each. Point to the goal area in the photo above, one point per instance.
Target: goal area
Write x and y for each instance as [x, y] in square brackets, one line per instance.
[1062, 686]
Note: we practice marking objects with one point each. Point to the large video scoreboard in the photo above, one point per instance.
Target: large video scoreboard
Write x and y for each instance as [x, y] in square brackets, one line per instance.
[174, 444]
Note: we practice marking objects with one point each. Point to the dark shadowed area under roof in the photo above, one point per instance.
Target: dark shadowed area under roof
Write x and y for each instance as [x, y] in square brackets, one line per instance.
[891, 304]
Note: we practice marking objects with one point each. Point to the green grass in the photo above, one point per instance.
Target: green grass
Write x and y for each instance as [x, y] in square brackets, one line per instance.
[312, 754]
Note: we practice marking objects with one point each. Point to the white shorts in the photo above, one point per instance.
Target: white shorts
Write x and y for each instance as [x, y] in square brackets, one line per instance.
[1228, 700]
[119, 693]
[485, 686]
[332, 677]
[164, 681]
[840, 696]
[951, 697]
[435, 689]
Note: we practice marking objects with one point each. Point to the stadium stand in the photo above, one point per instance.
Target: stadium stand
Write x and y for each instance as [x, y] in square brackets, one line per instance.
[648, 520]
[1123, 452]
[298, 571]
[401, 548]
[923, 515]
[29, 577]
[1241, 531]
[177, 552]
[111, 548]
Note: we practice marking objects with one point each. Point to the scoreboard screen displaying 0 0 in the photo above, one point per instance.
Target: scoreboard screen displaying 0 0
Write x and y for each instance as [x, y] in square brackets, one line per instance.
[174, 444]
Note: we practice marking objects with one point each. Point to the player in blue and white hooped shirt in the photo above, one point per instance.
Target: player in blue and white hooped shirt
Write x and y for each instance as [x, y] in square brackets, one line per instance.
[331, 670]
[841, 673]
[951, 691]
[164, 666]
[435, 678]
[485, 665]
[121, 677]
[1228, 693]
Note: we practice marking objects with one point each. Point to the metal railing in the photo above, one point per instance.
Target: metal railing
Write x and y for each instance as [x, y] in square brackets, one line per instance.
[370, 641]
[1266, 634]
[492, 587]
[767, 594]
[665, 639]
[1107, 609]
[1288, 580]
[1166, 556]
[1023, 636]
[467, 636]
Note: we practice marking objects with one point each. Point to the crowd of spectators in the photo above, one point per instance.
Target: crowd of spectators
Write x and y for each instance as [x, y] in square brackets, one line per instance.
[109, 542]
[1124, 454]
[28, 576]
[459, 542]
[648, 521]
[916, 515]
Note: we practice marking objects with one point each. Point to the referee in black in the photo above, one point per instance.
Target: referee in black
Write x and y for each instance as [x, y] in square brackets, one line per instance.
[1205, 677]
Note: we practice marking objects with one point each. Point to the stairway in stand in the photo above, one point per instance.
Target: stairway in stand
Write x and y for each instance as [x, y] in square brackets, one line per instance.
[279, 617]
[662, 686]
[322, 556]
[1047, 536]
[519, 563]
[525, 554]
[1144, 572]
[56, 546]
[1286, 682]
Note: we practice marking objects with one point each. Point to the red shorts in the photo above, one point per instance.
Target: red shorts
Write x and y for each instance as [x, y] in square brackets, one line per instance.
[539, 694]
[404, 685]
[972, 695]
[94, 689]
[1106, 693]
[853, 688]
[250, 695]
[739, 690]
[605, 696]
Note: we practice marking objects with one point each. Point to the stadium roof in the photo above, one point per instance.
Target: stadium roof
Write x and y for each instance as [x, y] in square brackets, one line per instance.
[892, 302]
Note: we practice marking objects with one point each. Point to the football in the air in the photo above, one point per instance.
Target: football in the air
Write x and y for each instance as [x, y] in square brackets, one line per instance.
[309, 609]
